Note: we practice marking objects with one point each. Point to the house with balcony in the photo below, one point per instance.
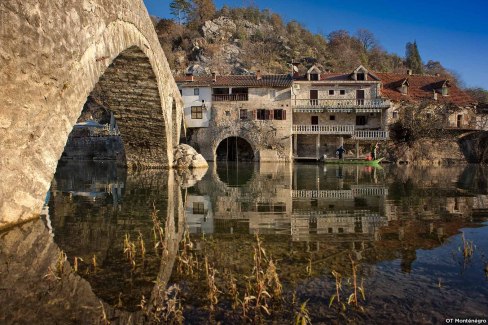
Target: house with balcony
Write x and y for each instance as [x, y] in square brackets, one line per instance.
[334, 109]
[238, 118]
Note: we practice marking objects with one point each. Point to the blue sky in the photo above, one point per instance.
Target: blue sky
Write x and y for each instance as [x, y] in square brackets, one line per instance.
[452, 32]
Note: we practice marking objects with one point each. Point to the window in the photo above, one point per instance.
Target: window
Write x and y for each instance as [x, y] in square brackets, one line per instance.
[361, 76]
[196, 112]
[361, 120]
[445, 91]
[264, 207]
[332, 117]
[261, 114]
[240, 90]
[395, 115]
[227, 113]
[314, 96]
[331, 92]
[279, 114]
[198, 208]
[279, 207]
[196, 91]
[342, 92]
[340, 230]
[221, 91]
[243, 114]
[314, 76]
[329, 230]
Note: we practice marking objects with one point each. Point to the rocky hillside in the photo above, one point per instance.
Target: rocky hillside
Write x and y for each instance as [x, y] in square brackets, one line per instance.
[242, 40]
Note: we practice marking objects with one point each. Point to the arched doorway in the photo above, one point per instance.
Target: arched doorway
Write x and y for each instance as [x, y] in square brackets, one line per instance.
[234, 149]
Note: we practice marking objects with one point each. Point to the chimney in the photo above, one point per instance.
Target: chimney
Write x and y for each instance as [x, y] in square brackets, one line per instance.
[258, 75]
[435, 95]
[189, 76]
[409, 72]
[214, 77]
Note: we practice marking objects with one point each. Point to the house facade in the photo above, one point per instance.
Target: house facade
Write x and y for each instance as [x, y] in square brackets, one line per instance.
[239, 117]
[335, 109]
[309, 116]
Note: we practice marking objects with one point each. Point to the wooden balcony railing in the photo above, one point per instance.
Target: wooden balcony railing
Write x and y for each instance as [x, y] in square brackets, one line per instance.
[341, 103]
[323, 129]
[371, 135]
[230, 98]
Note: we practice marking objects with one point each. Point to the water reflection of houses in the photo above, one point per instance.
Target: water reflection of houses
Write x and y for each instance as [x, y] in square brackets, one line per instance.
[199, 214]
[341, 202]
[281, 199]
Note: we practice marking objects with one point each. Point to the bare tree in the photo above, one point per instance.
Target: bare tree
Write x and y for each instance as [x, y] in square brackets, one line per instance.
[424, 120]
[367, 39]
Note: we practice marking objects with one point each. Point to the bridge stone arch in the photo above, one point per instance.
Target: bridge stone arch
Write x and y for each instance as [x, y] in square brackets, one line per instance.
[55, 54]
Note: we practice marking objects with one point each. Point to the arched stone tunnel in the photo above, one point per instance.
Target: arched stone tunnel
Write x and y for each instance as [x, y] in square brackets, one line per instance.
[54, 54]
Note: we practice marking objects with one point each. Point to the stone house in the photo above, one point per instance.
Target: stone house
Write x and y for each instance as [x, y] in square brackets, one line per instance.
[308, 116]
[334, 109]
[482, 117]
[438, 98]
[245, 118]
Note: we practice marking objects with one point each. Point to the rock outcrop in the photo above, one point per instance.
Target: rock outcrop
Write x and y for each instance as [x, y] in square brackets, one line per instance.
[186, 157]
[219, 29]
[426, 152]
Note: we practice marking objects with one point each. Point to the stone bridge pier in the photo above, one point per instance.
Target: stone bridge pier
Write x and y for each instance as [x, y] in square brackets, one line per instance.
[53, 55]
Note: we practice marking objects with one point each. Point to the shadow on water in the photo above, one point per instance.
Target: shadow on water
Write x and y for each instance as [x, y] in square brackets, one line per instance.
[401, 225]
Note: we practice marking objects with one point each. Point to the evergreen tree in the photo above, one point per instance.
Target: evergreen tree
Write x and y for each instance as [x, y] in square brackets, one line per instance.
[414, 62]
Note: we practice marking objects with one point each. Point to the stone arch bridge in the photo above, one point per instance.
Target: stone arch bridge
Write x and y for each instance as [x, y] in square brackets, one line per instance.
[53, 55]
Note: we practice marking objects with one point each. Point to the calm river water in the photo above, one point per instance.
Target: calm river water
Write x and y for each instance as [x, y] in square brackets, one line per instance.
[393, 235]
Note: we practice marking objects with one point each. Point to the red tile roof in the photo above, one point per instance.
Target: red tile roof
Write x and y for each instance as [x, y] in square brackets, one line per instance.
[278, 81]
[422, 87]
[334, 76]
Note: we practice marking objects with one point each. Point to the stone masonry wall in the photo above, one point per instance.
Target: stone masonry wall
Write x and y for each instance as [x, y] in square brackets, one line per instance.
[270, 139]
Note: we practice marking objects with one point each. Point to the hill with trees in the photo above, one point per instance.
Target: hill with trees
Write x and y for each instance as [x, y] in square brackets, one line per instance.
[201, 39]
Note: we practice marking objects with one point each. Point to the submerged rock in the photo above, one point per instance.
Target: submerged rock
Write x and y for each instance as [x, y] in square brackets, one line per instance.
[185, 157]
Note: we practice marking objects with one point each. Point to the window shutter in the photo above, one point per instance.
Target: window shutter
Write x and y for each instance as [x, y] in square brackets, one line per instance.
[266, 114]
[254, 114]
[284, 114]
[271, 114]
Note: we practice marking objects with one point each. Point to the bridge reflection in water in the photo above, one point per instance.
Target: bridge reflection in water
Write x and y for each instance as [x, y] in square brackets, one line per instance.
[394, 221]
